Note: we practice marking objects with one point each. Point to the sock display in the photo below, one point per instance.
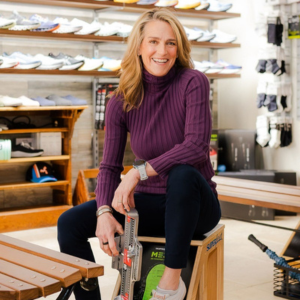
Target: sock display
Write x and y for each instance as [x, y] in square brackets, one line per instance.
[262, 130]
[261, 93]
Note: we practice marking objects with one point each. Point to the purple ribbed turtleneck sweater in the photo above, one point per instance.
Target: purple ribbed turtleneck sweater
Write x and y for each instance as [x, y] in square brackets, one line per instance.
[171, 127]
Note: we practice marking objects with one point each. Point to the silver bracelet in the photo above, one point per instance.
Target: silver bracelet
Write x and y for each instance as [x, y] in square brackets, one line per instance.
[101, 211]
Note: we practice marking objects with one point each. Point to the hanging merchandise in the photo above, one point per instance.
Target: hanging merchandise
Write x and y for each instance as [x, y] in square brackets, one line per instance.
[285, 132]
[274, 133]
[275, 31]
[294, 27]
[102, 93]
[262, 130]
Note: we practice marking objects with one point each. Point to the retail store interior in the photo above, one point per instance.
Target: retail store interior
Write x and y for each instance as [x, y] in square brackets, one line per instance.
[54, 85]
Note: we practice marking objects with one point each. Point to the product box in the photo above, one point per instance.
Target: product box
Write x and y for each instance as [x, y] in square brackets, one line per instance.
[153, 268]
[236, 149]
[5, 149]
[50, 142]
[27, 140]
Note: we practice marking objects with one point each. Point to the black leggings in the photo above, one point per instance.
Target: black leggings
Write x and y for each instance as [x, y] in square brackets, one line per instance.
[187, 210]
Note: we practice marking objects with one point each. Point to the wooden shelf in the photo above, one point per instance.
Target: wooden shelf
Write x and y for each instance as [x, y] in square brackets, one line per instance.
[28, 218]
[59, 72]
[40, 108]
[129, 7]
[87, 73]
[33, 130]
[34, 159]
[95, 39]
[29, 185]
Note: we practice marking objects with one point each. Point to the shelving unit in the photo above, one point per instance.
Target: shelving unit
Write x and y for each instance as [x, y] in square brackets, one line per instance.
[62, 192]
[44, 215]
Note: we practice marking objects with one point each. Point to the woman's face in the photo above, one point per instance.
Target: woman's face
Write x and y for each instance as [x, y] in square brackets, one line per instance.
[159, 48]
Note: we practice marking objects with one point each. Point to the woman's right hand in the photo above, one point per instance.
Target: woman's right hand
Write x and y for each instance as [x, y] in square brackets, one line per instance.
[107, 226]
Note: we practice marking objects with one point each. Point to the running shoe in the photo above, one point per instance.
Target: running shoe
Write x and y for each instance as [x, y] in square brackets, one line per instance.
[206, 35]
[69, 62]
[86, 27]
[28, 102]
[8, 101]
[202, 6]
[6, 23]
[126, 1]
[22, 23]
[212, 67]
[187, 4]
[192, 34]
[166, 3]
[48, 63]
[109, 29]
[75, 101]
[228, 68]
[8, 62]
[90, 64]
[222, 37]
[200, 66]
[66, 26]
[110, 64]
[146, 2]
[25, 150]
[46, 24]
[25, 62]
[215, 5]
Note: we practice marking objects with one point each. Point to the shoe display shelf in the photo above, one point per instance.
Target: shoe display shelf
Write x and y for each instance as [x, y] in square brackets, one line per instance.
[129, 7]
[97, 39]
[34, 217]
[92, 73]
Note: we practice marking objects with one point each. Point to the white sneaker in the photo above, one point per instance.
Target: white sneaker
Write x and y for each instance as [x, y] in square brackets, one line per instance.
[166, 3]
[48, 63]
[192, 34]
[8, 101]
[215, 5]
[90, 64]
[28, 102]
[187, 4]
[179, 294]
[200, 66]
[86, 27]
[8, 62]
[212, 67]
[124, 30]
[66, 26]
[109, 29]
[206, 35]
[5, 23]
[22, 23]
[25, 62]
[222, 37]
[110, 64]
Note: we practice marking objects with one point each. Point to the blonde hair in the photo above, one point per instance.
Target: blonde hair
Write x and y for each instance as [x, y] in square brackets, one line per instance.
[131, 85]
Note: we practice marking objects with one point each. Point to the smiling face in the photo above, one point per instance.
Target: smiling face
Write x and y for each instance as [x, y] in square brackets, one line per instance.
[158, 48]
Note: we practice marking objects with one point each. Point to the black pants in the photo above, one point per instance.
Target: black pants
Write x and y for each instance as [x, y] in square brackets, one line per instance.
[188, 210]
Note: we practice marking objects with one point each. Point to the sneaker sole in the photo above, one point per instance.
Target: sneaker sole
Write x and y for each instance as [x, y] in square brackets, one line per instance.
[7, 26]
[71, 30]
[48, 67]
[24, 27]
[27, 66]
[8, 66]
[16, 154]
[71, 67]
[46, 29]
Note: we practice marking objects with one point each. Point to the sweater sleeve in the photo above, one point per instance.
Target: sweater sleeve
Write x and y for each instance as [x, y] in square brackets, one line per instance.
[113, 153]
[197, 133]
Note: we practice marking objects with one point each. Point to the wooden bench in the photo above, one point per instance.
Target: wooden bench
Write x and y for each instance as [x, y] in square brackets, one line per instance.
[29, 271]
[265, 194]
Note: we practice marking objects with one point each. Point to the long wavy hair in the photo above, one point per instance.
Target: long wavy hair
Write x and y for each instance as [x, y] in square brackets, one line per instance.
[131, 88]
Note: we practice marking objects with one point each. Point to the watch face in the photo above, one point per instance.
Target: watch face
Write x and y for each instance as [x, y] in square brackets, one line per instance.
[139, 162]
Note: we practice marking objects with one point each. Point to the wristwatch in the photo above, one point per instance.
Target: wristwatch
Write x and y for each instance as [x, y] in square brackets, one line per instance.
[140, 165]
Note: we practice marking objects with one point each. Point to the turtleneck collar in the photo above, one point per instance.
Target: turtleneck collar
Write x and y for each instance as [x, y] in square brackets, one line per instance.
[154, 83]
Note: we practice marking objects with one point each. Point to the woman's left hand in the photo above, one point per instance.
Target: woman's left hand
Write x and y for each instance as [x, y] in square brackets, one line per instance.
[123, 197]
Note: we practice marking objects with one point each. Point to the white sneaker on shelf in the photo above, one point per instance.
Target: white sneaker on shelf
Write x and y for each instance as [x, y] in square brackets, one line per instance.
[6, 23]
[166, 3]
[90, 64]
[228, 68]
[206, 35]
[215, 5]
[22, 23]
[25, 62]
[66, 26]
[188, 4]
[222, 37]
[28, 102]
[9, 101]
[110, 64]
[48, 63]
[212, 67]
[200, 66]
[86, 27]
[192, 34]
[109, 29]
[8, 62]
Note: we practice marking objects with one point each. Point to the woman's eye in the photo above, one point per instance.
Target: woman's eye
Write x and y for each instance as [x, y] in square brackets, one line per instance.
[153, 42]
[172, 43]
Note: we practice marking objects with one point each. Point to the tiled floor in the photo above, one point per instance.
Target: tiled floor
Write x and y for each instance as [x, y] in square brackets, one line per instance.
[248, 271]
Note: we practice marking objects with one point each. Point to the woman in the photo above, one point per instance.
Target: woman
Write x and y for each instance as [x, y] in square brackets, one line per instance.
[164, 104]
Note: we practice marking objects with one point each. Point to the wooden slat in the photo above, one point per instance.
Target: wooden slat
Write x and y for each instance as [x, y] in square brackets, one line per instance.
[30, 185]
[34, 159]
[130, 7]
[41, 108]
[7, 293]
[31, 218]
[32, 130]
[45, 284]
[21, 289]
[65, 274]
[87, 269]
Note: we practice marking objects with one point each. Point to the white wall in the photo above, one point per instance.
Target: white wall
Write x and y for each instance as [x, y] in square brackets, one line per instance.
[237, 97]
